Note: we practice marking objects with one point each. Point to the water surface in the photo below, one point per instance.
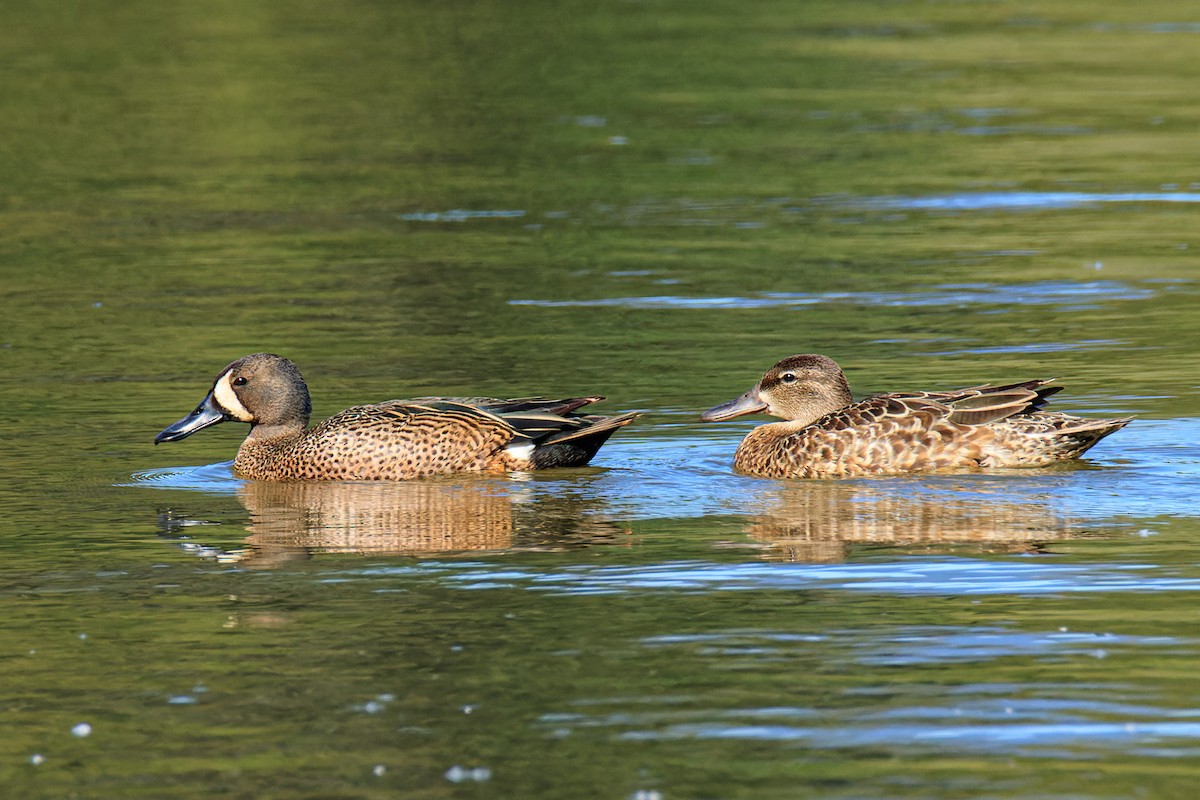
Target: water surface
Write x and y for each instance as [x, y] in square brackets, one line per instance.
[652, 201]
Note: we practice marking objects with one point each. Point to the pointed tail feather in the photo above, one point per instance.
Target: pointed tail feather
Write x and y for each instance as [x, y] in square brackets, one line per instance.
[575, 448]
[1077, 439]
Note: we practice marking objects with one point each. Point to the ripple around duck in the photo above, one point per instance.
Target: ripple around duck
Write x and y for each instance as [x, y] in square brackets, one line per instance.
[1148, 470]
[212, 478]
[1066, 294]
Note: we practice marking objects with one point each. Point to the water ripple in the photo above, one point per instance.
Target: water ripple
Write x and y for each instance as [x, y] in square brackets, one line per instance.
[1032, 739]
[915, 645]
[987, 201]
[907, 577]
[1039, 293]
[1041, 720]
[461, 215]
[1045, 721]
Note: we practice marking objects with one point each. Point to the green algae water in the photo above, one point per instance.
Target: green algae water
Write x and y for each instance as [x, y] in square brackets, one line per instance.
[653, 201]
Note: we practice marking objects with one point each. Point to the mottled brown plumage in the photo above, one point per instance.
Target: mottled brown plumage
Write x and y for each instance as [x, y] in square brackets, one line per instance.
[393, 440]
[828, 435]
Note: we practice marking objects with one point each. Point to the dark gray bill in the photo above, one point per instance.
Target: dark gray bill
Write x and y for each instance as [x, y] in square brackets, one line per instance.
[207, 413]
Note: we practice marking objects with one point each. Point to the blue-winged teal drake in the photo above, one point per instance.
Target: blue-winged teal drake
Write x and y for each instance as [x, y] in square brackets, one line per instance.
[394, 440]
[828, 435]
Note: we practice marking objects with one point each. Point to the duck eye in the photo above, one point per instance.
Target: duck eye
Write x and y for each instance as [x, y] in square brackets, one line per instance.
[788, 377]
[239, 381]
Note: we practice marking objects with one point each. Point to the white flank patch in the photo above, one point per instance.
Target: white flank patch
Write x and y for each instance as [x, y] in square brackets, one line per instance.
[227, 399]
[520, 451]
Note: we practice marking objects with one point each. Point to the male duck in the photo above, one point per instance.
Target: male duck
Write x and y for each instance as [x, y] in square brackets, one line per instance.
[393, 440]
[828, 435]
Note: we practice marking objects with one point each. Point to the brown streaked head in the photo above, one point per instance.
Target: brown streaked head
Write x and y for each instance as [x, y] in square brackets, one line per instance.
[801, 388]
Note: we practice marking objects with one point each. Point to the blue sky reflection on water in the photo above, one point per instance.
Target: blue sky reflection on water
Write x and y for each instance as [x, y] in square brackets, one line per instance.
[1030, 739]
[1020, 200]
[1086, 719]
[1066, 294]
[904, 576]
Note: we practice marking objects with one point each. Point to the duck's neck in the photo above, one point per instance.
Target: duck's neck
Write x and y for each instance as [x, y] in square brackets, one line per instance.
[264, 448]
[807, 414]
[818, 401]
[275, 433]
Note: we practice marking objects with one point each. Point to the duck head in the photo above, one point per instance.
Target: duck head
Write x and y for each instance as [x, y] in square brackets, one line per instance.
[262, 389]
[801, 388]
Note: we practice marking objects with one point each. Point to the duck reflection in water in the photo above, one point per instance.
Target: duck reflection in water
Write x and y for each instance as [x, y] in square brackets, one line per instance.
[294, 521]
[827, 521]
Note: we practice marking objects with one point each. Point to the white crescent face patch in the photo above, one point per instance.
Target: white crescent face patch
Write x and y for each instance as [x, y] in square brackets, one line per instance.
[227, 399]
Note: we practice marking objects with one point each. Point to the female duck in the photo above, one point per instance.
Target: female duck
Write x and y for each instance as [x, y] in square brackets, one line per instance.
[828, 435]
[393, 440]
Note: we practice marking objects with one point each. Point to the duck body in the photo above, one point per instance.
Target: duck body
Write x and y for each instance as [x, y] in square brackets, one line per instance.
[828, 435]
[393, 440]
